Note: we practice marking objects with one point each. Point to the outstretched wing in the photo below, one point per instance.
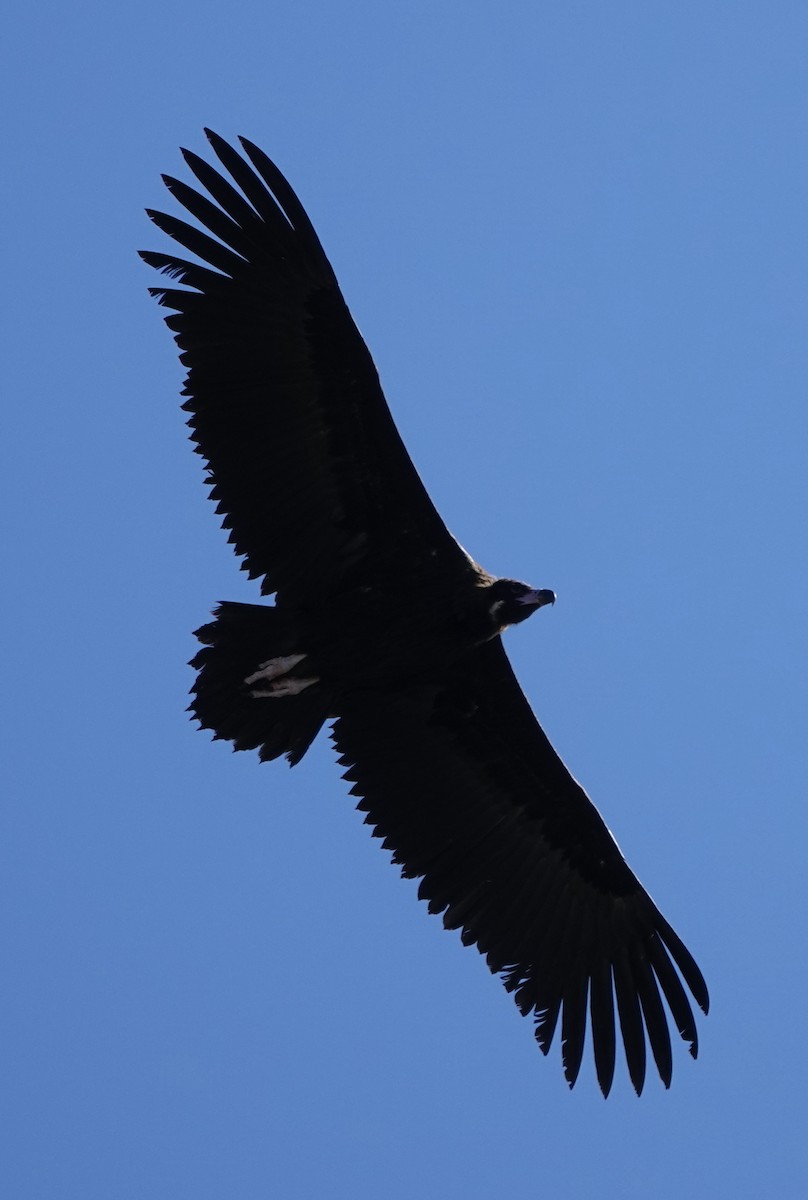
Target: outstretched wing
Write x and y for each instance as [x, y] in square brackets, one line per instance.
[465, 789]
[307, 467]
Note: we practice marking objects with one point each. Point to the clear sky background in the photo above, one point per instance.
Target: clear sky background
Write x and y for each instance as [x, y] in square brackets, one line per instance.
[574, 236]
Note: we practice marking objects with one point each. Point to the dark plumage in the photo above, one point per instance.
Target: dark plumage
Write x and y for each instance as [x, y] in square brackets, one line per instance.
[382, 621]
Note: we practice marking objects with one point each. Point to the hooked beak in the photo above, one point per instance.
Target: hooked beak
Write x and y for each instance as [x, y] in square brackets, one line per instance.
[537, 598]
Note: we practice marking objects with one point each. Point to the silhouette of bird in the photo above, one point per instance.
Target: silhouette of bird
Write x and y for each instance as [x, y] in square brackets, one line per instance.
[383, 623]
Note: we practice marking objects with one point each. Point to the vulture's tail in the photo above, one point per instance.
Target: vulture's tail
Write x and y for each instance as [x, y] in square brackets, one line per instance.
[255, 686]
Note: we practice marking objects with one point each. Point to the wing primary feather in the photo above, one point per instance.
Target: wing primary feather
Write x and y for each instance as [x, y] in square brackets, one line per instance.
[654, 1016]
[675, 995]
[215, 220]
[573, 1027]
[199, 243]
[546, 1020]
[192, 274]
[684, 961]
[287, 198]
[630, 1016]
[601, 1007]
[244, 176]
[223, 192]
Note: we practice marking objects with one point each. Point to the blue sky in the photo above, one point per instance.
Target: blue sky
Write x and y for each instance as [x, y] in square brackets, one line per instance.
[574, 238]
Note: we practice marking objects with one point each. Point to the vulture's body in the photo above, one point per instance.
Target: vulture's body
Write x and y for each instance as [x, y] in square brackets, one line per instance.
[383, 622]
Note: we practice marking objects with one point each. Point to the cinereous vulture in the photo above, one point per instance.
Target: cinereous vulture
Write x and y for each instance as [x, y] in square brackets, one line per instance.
[384, 624]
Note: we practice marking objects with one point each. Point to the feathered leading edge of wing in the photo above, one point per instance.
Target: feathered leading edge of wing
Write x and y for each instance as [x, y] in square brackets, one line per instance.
[306, 465]
[460, 781]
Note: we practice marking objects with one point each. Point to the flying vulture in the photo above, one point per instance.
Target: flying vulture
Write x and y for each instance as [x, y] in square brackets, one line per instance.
[383, 624]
